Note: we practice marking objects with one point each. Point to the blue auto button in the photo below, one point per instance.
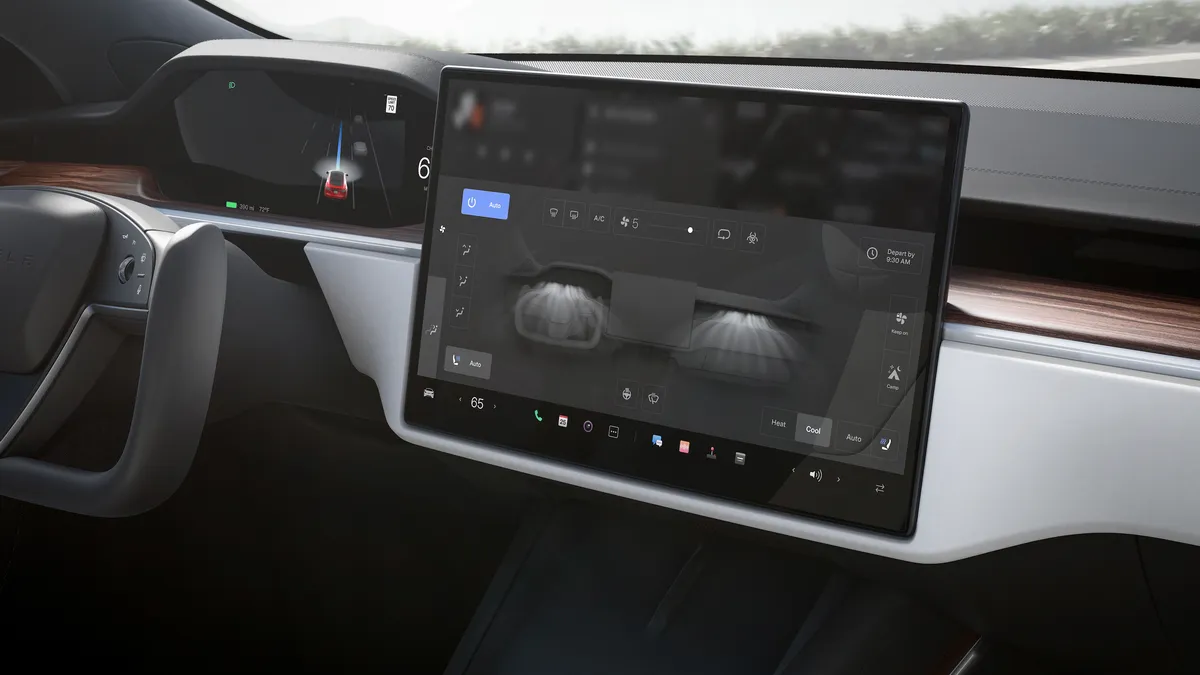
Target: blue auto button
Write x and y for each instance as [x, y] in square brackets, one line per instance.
[485, 204]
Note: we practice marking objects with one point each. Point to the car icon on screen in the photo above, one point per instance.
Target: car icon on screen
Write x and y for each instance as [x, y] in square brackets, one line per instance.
[359, 148]
[335, 184]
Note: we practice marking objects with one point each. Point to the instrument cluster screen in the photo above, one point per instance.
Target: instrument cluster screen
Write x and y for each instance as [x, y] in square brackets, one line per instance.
[309, 146]
[730, 291]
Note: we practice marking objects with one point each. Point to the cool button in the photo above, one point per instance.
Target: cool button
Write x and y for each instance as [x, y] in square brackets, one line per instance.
[485, 204]
[815, 430]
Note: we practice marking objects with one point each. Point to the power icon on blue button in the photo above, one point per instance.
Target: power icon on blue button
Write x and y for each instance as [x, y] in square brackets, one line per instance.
[485, 204]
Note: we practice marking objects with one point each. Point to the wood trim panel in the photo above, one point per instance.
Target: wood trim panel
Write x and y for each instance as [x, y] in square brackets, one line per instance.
[1048, 307]
[133, 182]
[1109, 316]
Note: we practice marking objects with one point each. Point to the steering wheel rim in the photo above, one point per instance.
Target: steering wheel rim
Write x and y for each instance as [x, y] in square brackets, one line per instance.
[183, 319]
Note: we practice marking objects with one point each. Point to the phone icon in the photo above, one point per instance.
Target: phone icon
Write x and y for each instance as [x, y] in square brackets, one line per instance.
[537, 416]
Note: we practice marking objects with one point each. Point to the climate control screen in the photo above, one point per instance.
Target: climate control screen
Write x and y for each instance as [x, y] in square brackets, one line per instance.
[729, 291]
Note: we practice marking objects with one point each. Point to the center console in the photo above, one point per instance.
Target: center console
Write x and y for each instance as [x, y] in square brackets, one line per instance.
[728, 291]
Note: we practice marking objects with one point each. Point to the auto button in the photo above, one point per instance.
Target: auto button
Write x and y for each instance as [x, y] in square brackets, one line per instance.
[853, 438]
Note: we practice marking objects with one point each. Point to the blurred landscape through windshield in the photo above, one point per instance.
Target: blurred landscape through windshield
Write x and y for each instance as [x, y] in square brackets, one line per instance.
[1157, 37]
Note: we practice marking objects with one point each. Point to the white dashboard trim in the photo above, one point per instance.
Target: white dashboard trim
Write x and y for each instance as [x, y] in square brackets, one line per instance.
[294, 232]
[1071, 350]
[1024, 444]
[1083, 352]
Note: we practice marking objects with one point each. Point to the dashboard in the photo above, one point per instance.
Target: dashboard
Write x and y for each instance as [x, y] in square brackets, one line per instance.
[990, 452]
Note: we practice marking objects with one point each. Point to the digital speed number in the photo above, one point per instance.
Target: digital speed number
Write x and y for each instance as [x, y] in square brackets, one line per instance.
[423, 165]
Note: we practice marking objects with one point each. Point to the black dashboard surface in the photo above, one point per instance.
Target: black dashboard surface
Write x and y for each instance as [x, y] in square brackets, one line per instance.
[253, 126]
[1053, 141]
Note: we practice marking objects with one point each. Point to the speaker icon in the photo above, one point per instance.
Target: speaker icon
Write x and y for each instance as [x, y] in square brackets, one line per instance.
[818, 475]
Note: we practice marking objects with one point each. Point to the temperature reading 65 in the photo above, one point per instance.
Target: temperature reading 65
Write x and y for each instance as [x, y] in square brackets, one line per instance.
[423, 168]
[477, 402]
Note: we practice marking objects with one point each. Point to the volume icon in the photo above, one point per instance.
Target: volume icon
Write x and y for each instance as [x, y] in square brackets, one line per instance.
[817, 475]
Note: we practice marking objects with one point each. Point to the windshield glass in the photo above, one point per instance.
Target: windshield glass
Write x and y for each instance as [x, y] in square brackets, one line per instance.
[1156, 38]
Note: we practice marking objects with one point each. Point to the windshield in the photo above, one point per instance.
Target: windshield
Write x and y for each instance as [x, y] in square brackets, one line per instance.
[1159, 37]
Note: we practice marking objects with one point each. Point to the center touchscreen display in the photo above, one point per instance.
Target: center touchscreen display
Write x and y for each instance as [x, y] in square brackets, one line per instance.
[729, 291]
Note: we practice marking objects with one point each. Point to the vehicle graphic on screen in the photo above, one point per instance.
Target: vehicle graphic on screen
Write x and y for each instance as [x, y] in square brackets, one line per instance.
[342, 152]
[335, 185]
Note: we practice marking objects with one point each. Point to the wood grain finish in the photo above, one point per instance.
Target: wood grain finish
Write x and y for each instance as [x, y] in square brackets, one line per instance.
[978, 297]
[1109, 316]
[133, 182]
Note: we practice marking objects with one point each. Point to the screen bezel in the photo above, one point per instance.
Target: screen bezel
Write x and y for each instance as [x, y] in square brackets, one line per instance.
[955, 112]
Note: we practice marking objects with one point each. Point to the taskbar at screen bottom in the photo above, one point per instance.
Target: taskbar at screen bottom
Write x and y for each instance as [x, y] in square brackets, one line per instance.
[787, 482]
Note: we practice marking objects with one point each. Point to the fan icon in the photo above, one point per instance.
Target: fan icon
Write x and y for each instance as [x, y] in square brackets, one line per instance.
[901, 318]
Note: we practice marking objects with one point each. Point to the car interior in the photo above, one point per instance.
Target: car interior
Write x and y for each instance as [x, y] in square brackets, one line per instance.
[580, 362]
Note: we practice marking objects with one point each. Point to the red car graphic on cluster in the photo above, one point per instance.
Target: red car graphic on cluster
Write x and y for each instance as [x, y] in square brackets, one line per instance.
[335, 185]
